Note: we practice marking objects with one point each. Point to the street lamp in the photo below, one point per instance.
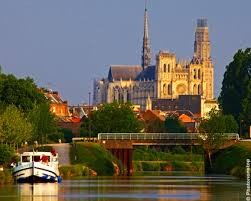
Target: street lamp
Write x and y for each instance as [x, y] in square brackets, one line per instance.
[241, 121]
[89, 112]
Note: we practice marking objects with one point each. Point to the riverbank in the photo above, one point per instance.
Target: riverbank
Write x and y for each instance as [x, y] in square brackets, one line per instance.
[232, 160]
[91, 159]
[177, 159]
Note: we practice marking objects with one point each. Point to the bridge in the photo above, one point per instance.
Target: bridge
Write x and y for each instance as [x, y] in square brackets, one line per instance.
[121, 144]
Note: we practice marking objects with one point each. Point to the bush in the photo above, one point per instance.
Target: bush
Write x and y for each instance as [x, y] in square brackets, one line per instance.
[150, 166]
[54, 137]
[6, 154]
[73, 171]
[137, 166]
[178, 150]
[232, 160]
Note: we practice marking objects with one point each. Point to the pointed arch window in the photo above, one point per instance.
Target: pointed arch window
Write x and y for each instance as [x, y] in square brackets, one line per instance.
[164, 89]
[169, 90]
[199, 74]
[194, 89]
[199, 89]
[168, 68]
[164, 67]
[194, 74]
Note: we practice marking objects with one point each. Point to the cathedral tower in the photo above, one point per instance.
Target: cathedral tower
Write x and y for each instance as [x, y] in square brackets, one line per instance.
[202, 44]
[202, 55]
[146, 50]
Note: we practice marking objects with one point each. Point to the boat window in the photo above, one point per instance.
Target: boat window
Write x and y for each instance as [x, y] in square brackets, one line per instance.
[45, 158]
[26, 158]
[36, 158]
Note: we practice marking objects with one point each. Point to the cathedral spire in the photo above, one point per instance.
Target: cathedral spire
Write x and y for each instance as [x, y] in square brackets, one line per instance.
[146, 51]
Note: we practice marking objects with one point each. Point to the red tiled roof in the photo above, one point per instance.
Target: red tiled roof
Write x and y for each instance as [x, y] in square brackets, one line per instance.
[186, 119]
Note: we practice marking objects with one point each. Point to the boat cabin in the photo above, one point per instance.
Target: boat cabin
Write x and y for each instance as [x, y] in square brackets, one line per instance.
[44, 157]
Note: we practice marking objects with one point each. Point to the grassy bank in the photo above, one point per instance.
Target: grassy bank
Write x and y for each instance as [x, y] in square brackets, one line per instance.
[168, 166]
[94, 157]
[233, 160]
[178, 159]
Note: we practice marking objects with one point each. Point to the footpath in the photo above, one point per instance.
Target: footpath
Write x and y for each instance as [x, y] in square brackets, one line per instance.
[63, 150]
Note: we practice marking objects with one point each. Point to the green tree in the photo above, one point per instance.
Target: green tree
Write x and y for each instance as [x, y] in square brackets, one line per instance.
[43, 122]
[155, 126]
[213, 132]
[113, 118]
[22, 93]
[235, 93]
[6, 154]
[174, 125]
[14, 127]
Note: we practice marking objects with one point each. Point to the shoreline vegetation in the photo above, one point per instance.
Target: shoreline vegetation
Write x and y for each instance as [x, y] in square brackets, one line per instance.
[89, 159]
[232, 160]
[175, 159]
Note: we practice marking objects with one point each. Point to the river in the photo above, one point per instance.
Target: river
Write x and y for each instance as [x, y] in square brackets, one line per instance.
[175, 187]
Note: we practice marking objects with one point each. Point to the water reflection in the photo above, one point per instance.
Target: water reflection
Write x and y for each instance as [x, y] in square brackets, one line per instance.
[163, 187]
[38, 192]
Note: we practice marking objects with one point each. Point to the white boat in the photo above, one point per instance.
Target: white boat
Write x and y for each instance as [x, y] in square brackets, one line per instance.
[37, 167]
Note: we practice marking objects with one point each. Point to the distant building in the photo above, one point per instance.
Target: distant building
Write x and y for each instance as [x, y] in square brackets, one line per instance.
[196, 104]
[168, 79]
[60, 108]
[57, 105]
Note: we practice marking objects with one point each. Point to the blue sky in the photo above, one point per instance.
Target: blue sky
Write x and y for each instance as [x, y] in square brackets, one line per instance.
[65, 44]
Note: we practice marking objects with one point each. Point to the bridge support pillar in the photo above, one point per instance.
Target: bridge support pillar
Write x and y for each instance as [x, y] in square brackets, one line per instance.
[125, 156]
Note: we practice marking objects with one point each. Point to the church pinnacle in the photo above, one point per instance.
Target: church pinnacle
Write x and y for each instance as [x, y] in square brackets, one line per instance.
[146, 51]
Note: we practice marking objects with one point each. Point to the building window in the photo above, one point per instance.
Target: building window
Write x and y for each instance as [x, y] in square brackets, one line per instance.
[199, 74]
[169, 89]
[164, 68]
[164, 89]
[194, 74]
[168, 68]
[194, 89]
[199, 89]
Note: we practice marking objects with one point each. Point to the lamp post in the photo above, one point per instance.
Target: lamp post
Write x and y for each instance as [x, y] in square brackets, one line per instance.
[89, 112]
[241, 121]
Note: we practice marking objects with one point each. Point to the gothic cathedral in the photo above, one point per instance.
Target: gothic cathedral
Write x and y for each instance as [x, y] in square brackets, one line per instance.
[167, 79]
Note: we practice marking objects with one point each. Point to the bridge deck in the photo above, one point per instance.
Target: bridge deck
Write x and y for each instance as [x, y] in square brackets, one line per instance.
[158, 136]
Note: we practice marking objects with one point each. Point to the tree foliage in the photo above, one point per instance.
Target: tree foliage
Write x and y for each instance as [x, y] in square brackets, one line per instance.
[155, 126]
[43, 122]
[213, 131]
[22, 98]
[14, 127]
[22, 93]
[235, 93]
[6, 153]
[113, 118]
[174, 125]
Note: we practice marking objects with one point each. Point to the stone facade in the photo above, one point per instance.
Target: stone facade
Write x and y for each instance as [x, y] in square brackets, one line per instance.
[167, 79]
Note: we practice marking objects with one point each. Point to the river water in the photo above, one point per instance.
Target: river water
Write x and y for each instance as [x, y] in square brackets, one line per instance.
[175, 187]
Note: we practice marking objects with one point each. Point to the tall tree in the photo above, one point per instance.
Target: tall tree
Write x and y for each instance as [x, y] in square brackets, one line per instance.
[174, 125]
[213, 131]
[113, 118]
[43, 122]
[235, 93]
[14, 127]
[22, 93]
